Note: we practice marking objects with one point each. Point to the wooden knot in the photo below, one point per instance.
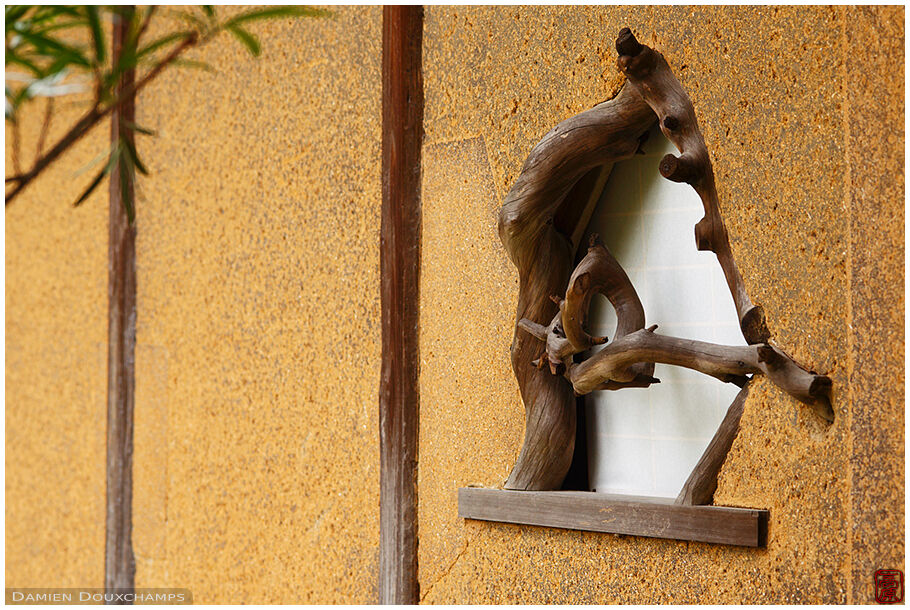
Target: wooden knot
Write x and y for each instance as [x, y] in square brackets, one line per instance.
[820, 387]
[703, 235]
[679, 169]
[754, 326]
[769, 356]
[626, 43]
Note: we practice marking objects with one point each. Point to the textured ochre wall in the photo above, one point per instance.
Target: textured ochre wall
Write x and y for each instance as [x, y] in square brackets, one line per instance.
[257, 366]
[56, 365]
[257, 462]
[802, 110]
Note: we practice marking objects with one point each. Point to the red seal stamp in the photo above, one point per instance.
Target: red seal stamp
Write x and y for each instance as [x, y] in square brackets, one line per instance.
[889, 586]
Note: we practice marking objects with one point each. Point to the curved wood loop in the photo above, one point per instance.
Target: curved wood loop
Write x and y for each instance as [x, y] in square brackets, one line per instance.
[650, 75]
[537, 204]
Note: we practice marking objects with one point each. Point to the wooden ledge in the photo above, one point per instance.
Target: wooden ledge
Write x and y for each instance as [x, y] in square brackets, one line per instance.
[615, 514]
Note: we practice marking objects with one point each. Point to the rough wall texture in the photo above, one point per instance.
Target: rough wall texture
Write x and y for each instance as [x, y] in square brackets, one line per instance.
[806, 132]
[875, 140]
[56, 367]
[257, 369]
[256, 444]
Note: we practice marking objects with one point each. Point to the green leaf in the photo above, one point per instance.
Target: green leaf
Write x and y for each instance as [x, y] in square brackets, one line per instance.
[276, 12]
[160, 42]
[250, 41]
[208, 10]
[130, 149]
[111, 149]
[192, 63]
[47, 14]
[63, 25]
[13, 14]
[190, 18]
[13, 58]
[55, 67]
[50, 47]
[91, 187]
[115, 154]
[94, 22]
[138, 128]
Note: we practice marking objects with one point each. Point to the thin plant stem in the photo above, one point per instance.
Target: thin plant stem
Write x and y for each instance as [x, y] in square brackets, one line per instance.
[90, 119]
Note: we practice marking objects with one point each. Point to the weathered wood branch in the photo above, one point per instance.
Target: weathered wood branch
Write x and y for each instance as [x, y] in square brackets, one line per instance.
[600, 272]
[702, 482]
[540, 224]
[565, 336]
[650, 75]
[729, 363]
[626, 358]
[537, 222]
[92, 118]
[558, 349]
[634, 351]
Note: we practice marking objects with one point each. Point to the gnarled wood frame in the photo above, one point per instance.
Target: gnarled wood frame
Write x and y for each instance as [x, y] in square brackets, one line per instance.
[540, 223]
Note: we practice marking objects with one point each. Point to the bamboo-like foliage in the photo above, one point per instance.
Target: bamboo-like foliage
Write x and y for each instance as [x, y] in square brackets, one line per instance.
[54, 51]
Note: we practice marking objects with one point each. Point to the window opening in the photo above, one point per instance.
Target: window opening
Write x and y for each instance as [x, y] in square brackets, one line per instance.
[645, 441]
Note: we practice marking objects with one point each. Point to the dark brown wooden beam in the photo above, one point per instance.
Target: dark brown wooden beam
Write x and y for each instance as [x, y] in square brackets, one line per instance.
[399, 261]
[632, 515]
[119, 563]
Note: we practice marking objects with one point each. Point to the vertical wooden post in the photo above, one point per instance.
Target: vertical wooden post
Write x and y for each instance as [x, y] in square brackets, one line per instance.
[119, 564]
[402, 131]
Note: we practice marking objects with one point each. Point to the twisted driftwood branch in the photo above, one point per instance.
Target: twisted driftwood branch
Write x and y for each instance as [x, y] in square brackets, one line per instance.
[537, 223]
[540, 223]
[599, 272]
[635, 347]
[728, 363]
[651, 77]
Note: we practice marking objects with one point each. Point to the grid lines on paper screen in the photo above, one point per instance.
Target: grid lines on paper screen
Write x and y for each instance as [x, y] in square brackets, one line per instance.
[646, 441]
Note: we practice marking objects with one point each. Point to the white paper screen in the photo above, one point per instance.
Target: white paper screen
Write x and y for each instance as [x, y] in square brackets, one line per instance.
[646, 441]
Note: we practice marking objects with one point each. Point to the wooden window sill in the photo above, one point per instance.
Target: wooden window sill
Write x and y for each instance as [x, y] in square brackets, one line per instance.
[615, 514]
